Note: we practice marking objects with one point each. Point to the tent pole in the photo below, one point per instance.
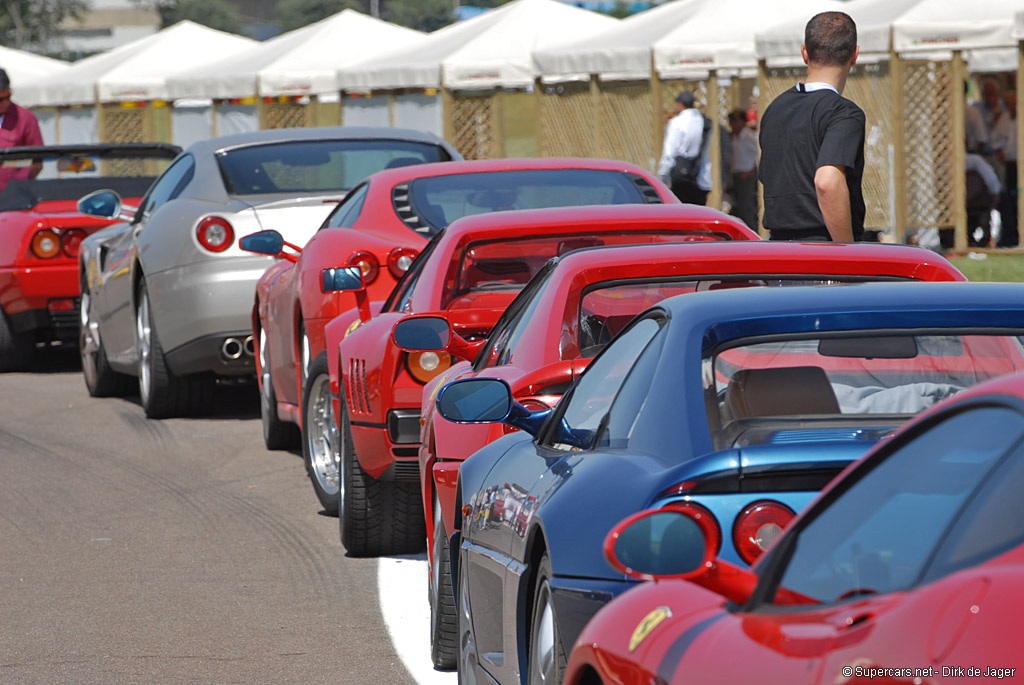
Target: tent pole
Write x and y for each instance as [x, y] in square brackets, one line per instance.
[659, 115]
[597, 148]
[1020, 133]
[959, 153]
[714, 112]
[762, 104]
[899, 171]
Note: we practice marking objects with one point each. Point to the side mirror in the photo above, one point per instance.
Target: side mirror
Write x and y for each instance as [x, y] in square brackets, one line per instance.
[663, 543]
[475, 400]
[422, 334]
[346, 278]
[105, 204]
[264, 242]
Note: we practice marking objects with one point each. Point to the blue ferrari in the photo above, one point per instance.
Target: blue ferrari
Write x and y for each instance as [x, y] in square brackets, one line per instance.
[739, 405]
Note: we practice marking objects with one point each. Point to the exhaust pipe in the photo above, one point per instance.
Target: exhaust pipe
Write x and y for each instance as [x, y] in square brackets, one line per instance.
[247, 345]
[232, 348]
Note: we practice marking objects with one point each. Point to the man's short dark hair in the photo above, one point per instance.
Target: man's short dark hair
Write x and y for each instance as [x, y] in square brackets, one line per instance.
[830, 39]
[5, 82]
[738, 115]
[685, 98]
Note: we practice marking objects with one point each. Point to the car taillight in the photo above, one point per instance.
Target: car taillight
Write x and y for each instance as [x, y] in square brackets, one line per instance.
[704, 518]
[757, 526]
[399, 261]
[367, 264]
[215, 234]
[46, 243]
[70, 241]
[532, 405]
[425, 366]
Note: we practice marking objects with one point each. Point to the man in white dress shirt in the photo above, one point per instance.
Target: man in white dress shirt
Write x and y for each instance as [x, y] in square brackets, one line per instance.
[685, 147]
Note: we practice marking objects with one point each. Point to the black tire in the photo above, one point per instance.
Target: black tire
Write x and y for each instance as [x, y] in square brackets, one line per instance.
[375, 517]
[444, 628]
[277, 434]
[163, 394]
[545, 656]
[100, 379]
[16, 349]
[320, 435]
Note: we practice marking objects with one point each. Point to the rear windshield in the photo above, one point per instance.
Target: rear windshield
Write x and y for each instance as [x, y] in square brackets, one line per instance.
[316, 165]
[440, 200]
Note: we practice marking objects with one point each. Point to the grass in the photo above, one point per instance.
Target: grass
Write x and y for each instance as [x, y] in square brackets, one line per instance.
[991, 266]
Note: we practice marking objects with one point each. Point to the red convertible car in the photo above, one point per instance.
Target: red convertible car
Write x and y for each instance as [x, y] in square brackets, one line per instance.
[41, 229]
[906, 569]
[469, 273]
[573, 307]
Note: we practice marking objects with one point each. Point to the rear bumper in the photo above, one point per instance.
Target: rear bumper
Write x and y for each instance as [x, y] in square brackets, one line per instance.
[206, 354]
[26, 294]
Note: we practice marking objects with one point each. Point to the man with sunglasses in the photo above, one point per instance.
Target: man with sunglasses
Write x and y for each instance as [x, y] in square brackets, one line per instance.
[18, 127]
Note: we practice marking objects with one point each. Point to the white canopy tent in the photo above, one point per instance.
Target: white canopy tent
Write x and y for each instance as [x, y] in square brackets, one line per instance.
[493, 49]
[137, 71]
[26, 68]
[301, 62]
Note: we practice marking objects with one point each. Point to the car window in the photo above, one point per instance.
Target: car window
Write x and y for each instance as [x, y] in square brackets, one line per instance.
[879, 534]
[345, 214]
[500, 344]
[589, 400]
[168, 186]
[630, 400]
[315, 165]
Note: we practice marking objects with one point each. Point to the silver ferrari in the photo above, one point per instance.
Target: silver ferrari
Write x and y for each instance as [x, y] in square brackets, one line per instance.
[167, 293]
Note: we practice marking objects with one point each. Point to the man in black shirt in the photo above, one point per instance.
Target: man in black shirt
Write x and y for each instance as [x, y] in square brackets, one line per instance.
[812, 143]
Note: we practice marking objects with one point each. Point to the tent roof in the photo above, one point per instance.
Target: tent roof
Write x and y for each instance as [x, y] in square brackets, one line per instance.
[301, 62]
[493, 49]
[25, 68]
[721, 35]
[137, 70]
[942, 25]
[622, 51]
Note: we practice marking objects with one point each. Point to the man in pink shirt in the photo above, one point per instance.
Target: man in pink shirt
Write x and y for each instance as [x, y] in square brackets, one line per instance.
[18, 127]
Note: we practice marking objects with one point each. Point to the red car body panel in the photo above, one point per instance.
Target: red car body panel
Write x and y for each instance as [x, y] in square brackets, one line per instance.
[551, 356]
[290, 295]
[370, 367]
[958, 626]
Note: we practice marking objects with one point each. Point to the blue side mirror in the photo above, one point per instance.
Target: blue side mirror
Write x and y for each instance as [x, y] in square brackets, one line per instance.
[487, 400]
[341, 279]
[264, 242]
[105, 204]
[422, 334]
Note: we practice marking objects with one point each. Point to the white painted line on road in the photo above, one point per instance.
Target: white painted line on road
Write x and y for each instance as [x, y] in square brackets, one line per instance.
[402, 588]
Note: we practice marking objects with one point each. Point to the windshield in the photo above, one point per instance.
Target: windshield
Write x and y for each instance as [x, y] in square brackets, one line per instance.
[855, 375]
[440, 200]
[316, 165]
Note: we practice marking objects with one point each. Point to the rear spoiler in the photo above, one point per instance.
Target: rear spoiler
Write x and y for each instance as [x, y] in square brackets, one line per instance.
[101, 150]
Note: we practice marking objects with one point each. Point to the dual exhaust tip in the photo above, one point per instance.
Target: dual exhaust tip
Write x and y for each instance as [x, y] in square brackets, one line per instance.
[234, 348]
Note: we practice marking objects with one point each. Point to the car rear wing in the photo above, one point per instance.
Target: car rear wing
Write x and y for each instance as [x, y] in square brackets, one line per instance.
[100, 150]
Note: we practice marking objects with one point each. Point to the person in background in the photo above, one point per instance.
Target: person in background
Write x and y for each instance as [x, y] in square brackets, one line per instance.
[1004, 140]
[685, 140]
[18, 127]
[743, 179]
[812, 143]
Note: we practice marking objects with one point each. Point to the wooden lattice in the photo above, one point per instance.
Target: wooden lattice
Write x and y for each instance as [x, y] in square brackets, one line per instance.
[123, 125]
[284, 115]
[928, 95]
[474, 126]
[870, 86]
[626, 113]
[567, 121]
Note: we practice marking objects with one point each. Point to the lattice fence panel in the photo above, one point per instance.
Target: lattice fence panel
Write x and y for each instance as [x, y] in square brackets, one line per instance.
[627, 111]
[870, 86]
[474, 126]
[928, 95]
[284, 115]
[567, 121]
[124, 125]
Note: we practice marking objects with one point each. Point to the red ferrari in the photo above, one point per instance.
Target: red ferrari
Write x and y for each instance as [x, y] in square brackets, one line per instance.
[906, 569]
[576, 305]
[469, 274]
[41, 229]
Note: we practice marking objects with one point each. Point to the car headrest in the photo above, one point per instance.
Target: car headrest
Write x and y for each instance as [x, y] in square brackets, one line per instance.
[782, 391]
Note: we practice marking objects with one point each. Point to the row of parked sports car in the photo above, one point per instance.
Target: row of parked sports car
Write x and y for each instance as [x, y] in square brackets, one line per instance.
[562, 383]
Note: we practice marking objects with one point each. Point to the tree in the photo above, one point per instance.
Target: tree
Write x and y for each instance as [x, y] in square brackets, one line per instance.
[294, 14]
[216, 14]
[423, 15]
[36, 21]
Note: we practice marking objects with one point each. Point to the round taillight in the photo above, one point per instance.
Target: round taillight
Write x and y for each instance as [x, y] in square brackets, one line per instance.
[704, 518]
[399, 261]
[757, 526]
[367, 263]
[215, 234]
[46, 243]
[425, 366]
[70, 241]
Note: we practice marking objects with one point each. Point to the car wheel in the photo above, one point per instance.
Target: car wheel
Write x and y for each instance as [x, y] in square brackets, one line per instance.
[466, 661]
[320, 435]
[444, 639]
[15, 349]
[277, 434]
[162, 393]
[546, 657]
[100, 379]
[375, 517]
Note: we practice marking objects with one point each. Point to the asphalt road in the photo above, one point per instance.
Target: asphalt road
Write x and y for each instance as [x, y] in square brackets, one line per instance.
[176, 551]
